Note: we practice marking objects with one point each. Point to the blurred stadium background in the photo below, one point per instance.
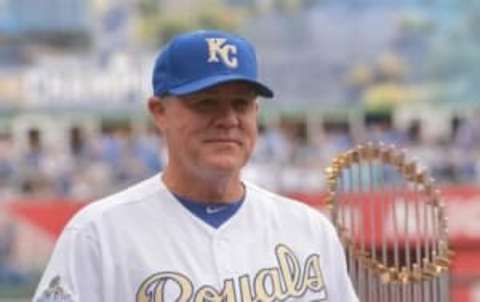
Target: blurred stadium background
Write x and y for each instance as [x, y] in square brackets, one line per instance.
[75, 74]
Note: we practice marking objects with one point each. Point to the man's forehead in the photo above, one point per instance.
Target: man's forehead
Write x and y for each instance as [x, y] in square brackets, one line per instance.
[230, 88]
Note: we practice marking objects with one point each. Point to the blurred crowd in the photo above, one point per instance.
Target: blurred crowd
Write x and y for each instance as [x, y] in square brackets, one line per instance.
[286, 158]
[92, 167]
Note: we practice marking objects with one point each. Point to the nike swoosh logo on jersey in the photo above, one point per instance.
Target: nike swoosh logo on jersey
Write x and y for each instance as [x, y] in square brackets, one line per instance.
[214, 209]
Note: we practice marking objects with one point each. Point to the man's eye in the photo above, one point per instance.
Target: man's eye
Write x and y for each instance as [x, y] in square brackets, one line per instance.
[241, 104]
[204, 104]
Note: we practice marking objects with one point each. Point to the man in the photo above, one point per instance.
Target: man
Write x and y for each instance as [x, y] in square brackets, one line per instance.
[197, 232]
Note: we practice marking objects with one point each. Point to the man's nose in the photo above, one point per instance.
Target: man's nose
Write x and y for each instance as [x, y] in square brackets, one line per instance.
[227, 116]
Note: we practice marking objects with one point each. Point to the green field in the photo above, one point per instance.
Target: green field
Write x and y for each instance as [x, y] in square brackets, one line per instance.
[16, 293]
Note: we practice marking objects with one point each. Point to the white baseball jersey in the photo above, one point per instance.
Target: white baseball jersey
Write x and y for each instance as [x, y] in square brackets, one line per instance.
[143, 245]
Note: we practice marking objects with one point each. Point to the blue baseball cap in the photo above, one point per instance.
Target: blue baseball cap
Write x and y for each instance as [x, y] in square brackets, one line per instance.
[198, 60]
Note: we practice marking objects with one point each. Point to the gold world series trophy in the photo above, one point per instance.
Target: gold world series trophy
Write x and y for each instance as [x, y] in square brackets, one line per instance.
[392, 224]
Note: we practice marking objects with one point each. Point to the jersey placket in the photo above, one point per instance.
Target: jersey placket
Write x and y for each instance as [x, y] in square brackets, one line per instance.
[222, 252]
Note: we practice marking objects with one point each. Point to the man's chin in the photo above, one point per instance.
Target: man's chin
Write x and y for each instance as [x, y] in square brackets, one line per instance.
[224, 166]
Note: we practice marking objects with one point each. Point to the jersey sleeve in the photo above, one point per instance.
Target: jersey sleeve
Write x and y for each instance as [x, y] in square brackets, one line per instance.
[73, 273]
[341, 288]
[345, 290]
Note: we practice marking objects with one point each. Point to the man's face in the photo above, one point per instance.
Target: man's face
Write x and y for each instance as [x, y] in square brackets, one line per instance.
[212, 131]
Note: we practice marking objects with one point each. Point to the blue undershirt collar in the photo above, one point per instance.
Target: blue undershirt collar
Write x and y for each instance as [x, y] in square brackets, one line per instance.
[215, 214]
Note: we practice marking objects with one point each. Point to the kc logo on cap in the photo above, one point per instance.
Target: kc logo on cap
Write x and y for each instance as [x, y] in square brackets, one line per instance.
[217, 46]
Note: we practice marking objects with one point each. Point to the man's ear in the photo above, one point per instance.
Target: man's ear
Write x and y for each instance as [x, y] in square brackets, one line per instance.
[157, 109]
[155, 105]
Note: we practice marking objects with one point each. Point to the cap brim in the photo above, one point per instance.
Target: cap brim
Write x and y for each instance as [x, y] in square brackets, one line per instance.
[196, 86]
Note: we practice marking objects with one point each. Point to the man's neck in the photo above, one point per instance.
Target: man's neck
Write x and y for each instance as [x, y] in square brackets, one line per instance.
[206, 188]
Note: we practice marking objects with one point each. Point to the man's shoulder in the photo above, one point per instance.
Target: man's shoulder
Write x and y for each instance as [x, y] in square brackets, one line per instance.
[123, 201]
[284, 205]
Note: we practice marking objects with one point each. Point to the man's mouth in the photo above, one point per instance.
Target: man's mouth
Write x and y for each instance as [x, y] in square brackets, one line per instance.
[224, 141]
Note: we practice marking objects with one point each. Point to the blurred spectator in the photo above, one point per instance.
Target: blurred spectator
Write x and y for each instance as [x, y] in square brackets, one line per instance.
[32, 176]
[148, 148]
[467, 146]
[468, 133]
[383, 132]
[6, 165]
[77, 142]
[8, 273]
[335, 139]
[272, 145]
[109, 148]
